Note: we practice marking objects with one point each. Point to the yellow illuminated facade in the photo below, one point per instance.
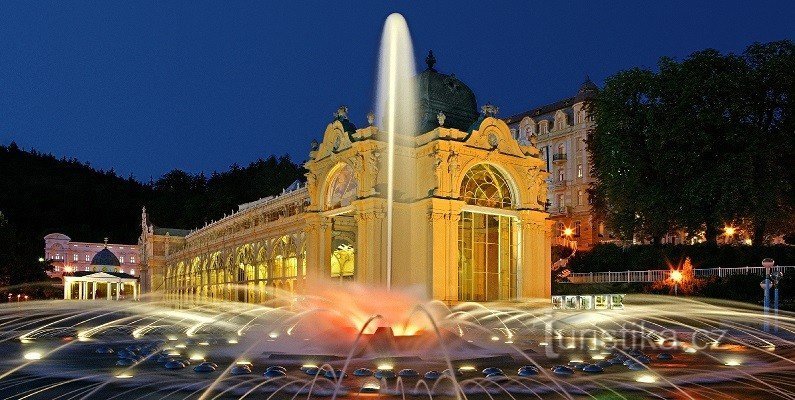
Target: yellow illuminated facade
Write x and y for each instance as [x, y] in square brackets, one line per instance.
[469, 225]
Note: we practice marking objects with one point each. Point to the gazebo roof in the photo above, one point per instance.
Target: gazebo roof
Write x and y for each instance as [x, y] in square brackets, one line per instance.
[100, 275]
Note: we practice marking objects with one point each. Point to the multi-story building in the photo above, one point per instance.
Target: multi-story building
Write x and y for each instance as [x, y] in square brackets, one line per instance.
[68, 256]
[559, 130]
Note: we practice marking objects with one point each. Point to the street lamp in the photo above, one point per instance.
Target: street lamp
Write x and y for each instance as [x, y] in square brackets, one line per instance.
[676, 277]
[41, 259]
[765, 284]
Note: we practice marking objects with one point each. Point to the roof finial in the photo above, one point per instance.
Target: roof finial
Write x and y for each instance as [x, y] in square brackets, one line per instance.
[430, 60]
[342, 112]
[106, 243]
[490, 110]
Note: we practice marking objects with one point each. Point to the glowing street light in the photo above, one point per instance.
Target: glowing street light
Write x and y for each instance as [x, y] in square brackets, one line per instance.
[676, 277]
[729, 231]
[568, 232]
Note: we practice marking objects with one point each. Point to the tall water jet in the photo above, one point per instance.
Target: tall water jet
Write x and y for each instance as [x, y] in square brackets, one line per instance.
[396, 109]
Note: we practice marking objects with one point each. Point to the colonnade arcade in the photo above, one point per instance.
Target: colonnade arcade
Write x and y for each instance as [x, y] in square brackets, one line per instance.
[250, 272]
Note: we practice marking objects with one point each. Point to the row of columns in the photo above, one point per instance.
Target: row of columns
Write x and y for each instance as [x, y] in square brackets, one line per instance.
[86, 291]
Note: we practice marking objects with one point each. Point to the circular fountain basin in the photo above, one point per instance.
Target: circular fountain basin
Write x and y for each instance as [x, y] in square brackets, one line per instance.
[174, 365]
[528, 370]
[384, 374]
[363, 372]
[593, 368]
[274, 373]
[203, 368]
[562, 370]
[240, 370]
[408, 373]
[433, 375]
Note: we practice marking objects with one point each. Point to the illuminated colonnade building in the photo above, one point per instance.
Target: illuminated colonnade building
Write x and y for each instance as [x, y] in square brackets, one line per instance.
[469, 223]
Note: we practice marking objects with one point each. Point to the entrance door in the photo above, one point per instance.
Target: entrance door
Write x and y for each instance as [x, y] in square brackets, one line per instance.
[487, 257]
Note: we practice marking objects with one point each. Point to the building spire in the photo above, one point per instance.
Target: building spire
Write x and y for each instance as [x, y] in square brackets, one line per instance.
[106, 243]
[430, 60]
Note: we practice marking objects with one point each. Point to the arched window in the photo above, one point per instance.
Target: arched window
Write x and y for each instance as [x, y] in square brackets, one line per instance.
[342, 188]
[485, 186]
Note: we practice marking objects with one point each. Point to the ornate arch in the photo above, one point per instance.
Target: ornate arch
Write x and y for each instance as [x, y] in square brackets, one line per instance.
[340, 188]
[486, 185]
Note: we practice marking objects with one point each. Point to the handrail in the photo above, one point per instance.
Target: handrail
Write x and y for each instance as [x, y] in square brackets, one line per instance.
[655, 275]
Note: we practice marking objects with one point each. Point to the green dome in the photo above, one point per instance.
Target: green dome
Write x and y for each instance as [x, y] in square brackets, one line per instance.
[444, 93]
[105, 258]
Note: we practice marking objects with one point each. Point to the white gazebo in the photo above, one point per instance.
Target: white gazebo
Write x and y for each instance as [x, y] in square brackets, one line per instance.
[88, 283]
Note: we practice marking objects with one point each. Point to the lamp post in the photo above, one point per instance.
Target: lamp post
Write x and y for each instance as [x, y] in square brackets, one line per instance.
[676, 276]
[765, 284]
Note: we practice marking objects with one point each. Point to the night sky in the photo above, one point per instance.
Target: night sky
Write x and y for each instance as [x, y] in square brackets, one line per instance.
[146, 87]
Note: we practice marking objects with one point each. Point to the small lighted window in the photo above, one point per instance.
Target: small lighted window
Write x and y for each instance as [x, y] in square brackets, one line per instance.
[132, 272]
[121, 259]
[579, 170]
[132, 259]
[74, 257]
[88, 258]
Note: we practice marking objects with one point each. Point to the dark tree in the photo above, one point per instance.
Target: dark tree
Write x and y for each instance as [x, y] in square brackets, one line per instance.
[701, 143]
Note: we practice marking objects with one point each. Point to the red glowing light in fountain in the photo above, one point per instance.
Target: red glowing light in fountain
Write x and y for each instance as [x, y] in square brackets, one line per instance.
[350, 305]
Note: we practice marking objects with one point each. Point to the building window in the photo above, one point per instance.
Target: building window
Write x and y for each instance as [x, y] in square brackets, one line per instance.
[74, 257]
[561, 201]
[579, 170]
[132, 272]
[579, 197]
[121, 259]
[577, 228]
[132, 259]
[561, 175]
[88, 258]
[485, 186]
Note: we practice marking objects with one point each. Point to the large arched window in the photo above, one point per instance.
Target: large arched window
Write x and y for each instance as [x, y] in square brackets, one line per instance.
[485, 186]
[487, 242]
[342, 188]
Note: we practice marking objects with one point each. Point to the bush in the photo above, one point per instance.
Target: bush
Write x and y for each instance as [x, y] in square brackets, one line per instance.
[610, 257]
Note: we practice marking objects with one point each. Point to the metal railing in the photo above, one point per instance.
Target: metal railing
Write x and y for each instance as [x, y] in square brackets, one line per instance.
[655, 275]
[559, 157]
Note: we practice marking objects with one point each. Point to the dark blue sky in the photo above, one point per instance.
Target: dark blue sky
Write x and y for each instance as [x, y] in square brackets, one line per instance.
[145, 87]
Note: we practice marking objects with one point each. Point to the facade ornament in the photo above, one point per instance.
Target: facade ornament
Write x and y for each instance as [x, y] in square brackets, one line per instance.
[430, 60]
[342, 112]
[494, 141]
[314, 145]
[541, 186]
[440, 118]
[490, 110]
[533, 140]
[370, 118]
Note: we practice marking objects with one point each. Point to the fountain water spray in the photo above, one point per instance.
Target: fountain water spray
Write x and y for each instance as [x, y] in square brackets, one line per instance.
[396, 107]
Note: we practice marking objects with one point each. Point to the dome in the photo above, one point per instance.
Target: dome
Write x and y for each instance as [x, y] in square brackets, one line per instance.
[588, 90]
[105, 257]
[444, 93]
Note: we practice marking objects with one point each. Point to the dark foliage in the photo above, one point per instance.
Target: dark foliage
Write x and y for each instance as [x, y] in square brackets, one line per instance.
[40, 194]
[701, 143]
[610, 257]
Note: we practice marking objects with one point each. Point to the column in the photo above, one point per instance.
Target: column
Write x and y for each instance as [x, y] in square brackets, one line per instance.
[94, 290]
[80, 290]
[444, 217]
[108, 286]
[318, 245]
[67, 289]
[535, 256]
[135, 291]
[118, 291]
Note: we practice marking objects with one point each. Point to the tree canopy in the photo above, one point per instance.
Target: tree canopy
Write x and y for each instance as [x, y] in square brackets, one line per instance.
[699, 144]
[40, 194]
